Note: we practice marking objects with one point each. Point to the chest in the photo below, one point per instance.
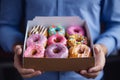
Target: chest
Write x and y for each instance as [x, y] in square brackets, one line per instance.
[64, 3]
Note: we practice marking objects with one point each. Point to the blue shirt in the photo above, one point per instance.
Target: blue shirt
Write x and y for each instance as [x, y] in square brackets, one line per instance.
[92, 11]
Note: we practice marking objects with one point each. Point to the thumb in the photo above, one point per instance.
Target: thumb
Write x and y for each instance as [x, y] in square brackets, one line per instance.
[97, 49]
[18, 49]
[99, 59]
[17, 56]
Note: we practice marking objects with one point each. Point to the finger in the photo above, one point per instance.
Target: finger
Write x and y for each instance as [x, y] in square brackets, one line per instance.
[95, 69]
[18, 49]
[17, 56]
[83, 71]
[89, 75]
[26, 71]
[17, 62]
[97, 49]
[99, 60]
[32, 75]
[21, 70]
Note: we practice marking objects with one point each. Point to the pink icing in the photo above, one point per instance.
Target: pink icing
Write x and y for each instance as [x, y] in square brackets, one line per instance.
[35, 51]
[75, 30]
[36, 39]
[62, 51]
[57, 39]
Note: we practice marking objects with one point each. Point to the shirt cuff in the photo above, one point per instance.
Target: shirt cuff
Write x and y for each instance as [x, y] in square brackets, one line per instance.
[109, 42]
[9, 37]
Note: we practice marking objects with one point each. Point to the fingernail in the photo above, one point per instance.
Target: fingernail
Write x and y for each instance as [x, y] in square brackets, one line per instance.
[90, 70]
[32, 70]
[39, 72]
[82, 72]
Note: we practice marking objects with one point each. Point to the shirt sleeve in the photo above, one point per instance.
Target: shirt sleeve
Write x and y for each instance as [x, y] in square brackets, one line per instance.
[10, 17]
[111, 17]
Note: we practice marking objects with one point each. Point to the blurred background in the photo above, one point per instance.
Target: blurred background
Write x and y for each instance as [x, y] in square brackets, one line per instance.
[8, 72]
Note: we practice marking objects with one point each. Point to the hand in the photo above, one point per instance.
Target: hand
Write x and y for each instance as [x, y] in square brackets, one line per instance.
[25, 73]
[100, 52]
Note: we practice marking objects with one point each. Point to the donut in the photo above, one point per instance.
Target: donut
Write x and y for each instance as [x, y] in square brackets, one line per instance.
[36, 39]
[74, 29]
[56, 38]
[79, 51]
[35, 51]
[76, 39]
[37, 30]
[56, 30]
[56, 50]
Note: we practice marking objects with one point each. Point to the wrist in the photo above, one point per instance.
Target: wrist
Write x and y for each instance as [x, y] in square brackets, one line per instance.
[104, 49]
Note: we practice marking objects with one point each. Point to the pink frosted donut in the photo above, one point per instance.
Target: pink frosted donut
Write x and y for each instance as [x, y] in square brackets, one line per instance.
[35, 51]
[56, 51]
[36, 39]
[57, 39]
[75, 30]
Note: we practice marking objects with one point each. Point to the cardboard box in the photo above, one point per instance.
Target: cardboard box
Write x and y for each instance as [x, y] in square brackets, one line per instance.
[58, 64]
